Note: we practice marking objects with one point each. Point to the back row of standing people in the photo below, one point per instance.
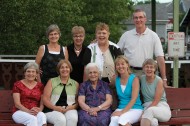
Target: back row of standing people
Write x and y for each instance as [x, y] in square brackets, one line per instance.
[137, 45]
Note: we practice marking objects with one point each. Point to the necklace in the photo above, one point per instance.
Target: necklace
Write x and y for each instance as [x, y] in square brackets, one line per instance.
[77, 50]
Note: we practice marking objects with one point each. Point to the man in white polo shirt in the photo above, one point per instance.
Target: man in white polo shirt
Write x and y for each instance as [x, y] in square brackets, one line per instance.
[142, 43]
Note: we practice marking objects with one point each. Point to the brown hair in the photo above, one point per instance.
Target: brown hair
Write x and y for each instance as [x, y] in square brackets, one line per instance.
[62, 62]
[77, 30]
[102, 26]
[126, 60]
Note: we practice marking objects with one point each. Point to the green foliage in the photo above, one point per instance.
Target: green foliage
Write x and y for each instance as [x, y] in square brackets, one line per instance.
[24, 22]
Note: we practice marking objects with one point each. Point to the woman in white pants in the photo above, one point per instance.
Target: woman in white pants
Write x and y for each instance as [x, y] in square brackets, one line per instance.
[60, 97]
[27, 98]
[127, 86]
[156, 108]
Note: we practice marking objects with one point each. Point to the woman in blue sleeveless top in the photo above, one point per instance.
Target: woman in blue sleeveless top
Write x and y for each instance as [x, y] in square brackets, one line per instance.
[129, 109]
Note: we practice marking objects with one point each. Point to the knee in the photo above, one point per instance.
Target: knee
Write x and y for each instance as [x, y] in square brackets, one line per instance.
[72, 115]
[41, 115]
[33, 120]
[74, 118]
[114, 119]
[148, 111]
[60, 120]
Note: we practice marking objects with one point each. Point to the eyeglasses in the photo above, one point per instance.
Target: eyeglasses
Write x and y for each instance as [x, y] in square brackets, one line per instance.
[80, 36]
[136, 18]
[53, 34]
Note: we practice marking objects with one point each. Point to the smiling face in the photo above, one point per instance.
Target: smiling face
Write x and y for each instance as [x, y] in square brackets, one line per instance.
[149, 67]
[102, 33]
[78, 39]
[93, 74]
[149, 70]
[64, 70]
[121, 66]
[139, 19]
[78, 33]
[54, 36]
[102, 36]
[30, 74]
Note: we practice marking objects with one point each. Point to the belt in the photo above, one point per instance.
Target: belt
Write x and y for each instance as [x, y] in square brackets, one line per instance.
[136, 68]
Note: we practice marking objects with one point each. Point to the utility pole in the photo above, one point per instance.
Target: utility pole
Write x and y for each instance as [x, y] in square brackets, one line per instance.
[176, 29]
[153, 8]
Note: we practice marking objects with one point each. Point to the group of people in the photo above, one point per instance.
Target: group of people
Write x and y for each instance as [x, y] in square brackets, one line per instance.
[78, 85]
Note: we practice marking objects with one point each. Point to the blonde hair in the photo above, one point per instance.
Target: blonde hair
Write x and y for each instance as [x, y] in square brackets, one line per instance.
[62, 62]
[78, 30]
[122, 57]
[102, 26]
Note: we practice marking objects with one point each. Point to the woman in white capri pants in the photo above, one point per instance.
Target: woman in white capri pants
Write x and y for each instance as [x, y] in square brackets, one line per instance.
[60, 97]
[27, 98]
[127, 86]
[156, 108]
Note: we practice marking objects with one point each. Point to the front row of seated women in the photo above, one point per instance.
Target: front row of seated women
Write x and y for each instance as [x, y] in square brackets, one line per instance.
[62, 96]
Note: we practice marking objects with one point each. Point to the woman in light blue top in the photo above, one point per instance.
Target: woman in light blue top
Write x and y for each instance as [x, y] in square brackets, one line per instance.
[127, 86]
[155, 103]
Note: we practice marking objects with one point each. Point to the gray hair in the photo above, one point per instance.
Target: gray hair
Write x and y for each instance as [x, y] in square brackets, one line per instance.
[150, 62]
[90, 65]
[139, 10]
[31, 65]
[53, 27]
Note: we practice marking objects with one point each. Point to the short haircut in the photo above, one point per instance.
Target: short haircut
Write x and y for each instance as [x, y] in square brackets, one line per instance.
[62, 62]
[139, 10]
[31, 65]
[102, 26]
[150, 62]
[78, 30]
[51, 28]
[89, 65]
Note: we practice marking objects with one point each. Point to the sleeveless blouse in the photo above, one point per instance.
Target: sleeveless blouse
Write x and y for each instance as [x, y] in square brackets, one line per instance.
[49, 63]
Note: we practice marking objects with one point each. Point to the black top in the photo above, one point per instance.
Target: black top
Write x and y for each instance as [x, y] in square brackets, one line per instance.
[62, 101]
[49, 63]
[77, 63]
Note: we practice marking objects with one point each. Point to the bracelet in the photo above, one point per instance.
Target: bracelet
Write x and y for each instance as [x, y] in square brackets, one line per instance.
[100, 107]
[165, 79]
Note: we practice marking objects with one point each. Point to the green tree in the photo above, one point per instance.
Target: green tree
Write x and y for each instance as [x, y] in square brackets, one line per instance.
[111, 12]
[24, 22]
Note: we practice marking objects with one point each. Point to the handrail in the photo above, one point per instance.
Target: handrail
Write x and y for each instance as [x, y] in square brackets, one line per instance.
[17, 56]
[16, 60]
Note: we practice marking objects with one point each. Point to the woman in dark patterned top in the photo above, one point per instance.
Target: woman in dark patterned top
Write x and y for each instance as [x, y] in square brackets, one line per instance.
[49, 55]
[94, 99]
